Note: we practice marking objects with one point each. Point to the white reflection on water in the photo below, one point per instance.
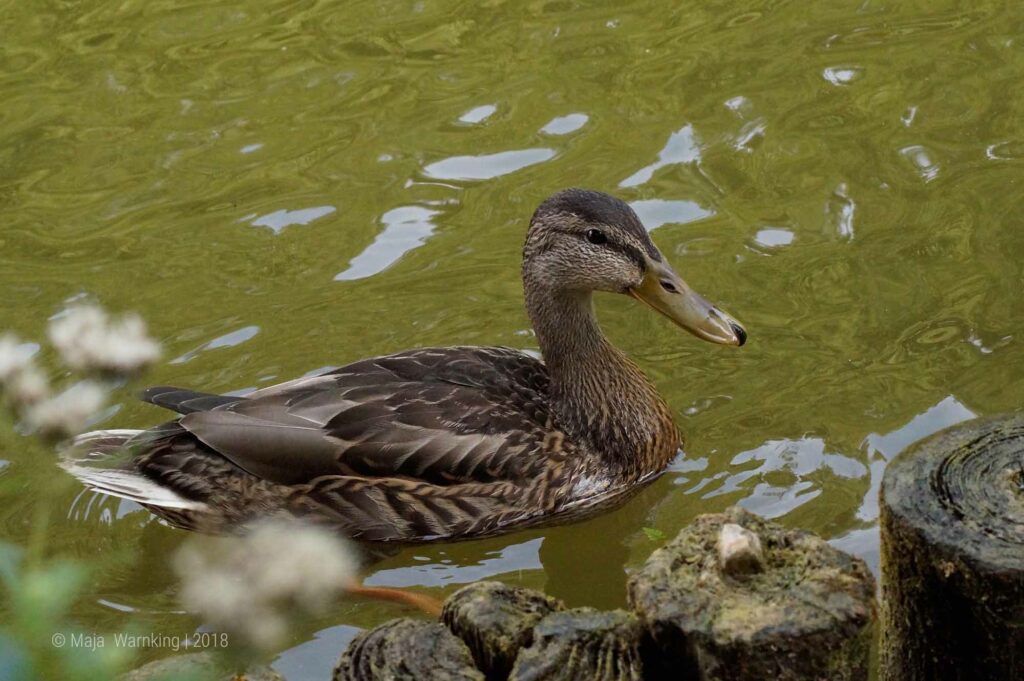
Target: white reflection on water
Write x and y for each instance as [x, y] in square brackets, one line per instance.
[487, 166]
[280, 219]
[657, 212]
[478, 114]
[882, 448]
[405, 228]
[842, 75]
[563, 125]
[680, 148]
[524, 556]
[749, 133]
[315, 658]
[798, 458]
[864, 542]
[922, 160]
[226, 341]
[773, 237]
[839, 211]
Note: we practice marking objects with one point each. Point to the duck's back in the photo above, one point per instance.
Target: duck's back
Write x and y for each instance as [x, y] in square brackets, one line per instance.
[422, 444]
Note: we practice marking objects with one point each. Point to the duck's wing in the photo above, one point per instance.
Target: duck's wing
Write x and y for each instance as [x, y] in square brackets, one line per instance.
[442, 416]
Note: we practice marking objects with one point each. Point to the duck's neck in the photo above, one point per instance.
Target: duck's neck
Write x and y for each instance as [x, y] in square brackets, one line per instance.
[599, 397]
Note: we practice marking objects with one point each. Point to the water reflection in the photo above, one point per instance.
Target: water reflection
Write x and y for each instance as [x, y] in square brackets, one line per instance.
[842, 75]
[922, 161]
[839, 212]
[478, 114]
[795, 460]
[511, 558]
[908, 116]
[487, 166]
[654, 213]
[315, 658]
[563, 125]
[1005, 151]
[405, 228]
[749, 134]
[280, 219]
[774, 237]
[228, 340]
[680, 148]
[881, 448]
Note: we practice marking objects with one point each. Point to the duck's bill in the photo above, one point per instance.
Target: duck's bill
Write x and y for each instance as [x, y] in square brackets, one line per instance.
[667, 293]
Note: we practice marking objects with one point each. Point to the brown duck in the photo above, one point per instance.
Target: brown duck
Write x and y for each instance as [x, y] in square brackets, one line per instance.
[437, 443]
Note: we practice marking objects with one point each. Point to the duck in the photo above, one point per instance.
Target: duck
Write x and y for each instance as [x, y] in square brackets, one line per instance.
[437, 443]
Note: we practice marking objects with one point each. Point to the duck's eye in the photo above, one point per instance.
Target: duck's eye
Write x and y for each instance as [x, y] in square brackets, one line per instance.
[596, 236]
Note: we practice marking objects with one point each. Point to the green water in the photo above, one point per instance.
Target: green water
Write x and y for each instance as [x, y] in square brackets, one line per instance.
[283, 186]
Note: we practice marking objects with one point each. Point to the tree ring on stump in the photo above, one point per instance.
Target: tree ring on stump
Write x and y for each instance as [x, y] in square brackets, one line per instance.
[964, 489]
[952, 519]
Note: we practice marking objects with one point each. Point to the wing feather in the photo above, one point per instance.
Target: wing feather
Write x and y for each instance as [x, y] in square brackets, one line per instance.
[443, 416]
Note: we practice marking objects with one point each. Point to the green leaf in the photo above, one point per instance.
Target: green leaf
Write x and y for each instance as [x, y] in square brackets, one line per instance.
[654, 534]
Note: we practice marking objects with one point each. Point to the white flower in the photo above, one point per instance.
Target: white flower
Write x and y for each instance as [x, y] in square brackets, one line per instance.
[28, 386]
[250, 585]
[87, 338]
[14, 356]
[67, 413]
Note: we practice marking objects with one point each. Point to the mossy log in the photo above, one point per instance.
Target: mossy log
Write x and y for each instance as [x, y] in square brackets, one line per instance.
[406, 649]
[782, 604]
[583, 644]
[953, 556]
[496, 620]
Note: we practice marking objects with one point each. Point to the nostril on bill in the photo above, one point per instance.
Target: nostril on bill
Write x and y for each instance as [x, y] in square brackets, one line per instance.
[669, 286]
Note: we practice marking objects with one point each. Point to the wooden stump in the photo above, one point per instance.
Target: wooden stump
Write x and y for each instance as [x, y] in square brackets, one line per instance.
[582, 645]
[782, 604]
[953, 556]
[496, 620]
[406, 650]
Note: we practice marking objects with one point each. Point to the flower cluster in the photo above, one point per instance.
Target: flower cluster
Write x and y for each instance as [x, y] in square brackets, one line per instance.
[250, 585]
[87, 339]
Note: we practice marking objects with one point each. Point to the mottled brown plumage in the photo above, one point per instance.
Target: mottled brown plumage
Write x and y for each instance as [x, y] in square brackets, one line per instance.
[437, 443]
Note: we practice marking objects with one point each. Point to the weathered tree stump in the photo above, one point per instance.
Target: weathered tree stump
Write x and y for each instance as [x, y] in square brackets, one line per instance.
[496, 620]
[406, 649]
[953, 555]
[582, 645]
[720, 605]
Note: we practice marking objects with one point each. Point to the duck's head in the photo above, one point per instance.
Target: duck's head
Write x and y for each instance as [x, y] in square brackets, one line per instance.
[581, 241]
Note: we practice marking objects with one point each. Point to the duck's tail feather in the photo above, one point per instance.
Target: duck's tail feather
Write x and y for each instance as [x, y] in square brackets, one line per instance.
[102, 461]
[185, 401]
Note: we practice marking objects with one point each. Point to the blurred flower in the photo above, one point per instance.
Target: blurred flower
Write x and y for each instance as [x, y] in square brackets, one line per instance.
[67, 413]
[87, 338]
[249, 586]
[14, 357]
[28, 386]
